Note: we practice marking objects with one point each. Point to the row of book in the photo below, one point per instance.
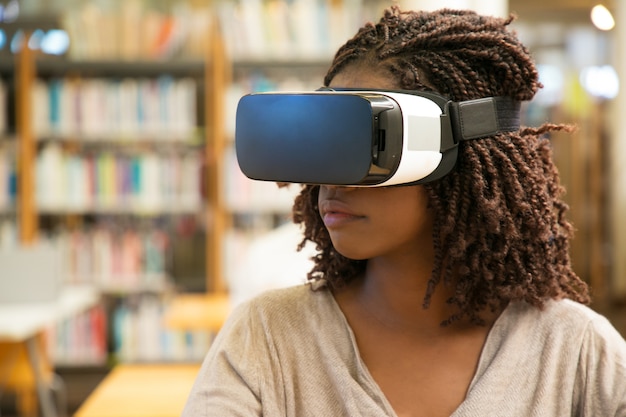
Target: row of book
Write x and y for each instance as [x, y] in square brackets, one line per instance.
[292, 29]
[80, 340]
[147, 181]
[251, 28]
[116, 256]
[162, 108]
[133, 331]
[139, 334]
[137, 29]
[119, 255]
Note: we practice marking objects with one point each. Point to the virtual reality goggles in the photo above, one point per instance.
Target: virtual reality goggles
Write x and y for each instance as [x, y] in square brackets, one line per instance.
[361, 137]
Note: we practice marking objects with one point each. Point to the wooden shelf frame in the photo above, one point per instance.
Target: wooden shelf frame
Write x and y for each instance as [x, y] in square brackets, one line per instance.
[25, 75]
[218, 77]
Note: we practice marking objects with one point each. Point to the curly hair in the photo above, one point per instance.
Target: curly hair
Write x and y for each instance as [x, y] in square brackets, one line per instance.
[500, 228]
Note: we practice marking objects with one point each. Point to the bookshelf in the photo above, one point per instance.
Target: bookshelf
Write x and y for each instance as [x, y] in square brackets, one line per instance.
[115, 159]
[288, 31]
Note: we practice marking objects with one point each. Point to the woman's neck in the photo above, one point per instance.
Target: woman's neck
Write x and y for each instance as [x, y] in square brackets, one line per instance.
[393, 291]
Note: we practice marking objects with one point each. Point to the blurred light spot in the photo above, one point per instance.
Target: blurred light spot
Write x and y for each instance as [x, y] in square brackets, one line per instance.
[601, 81]
[17, 41]
[602, 17]
[55, 42]
[3, 39]
[11, 12]
[35, 39]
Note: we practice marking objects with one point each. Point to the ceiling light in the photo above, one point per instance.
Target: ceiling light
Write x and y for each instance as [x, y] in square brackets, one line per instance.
[602, 17]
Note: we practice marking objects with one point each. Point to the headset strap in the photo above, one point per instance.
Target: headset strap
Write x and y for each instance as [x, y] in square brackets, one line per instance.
[473, 119]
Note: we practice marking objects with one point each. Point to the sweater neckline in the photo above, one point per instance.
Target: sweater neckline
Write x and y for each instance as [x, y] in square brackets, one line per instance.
[373, 386]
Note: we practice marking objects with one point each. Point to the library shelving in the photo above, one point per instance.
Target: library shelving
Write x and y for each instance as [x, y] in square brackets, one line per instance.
[118, 164]
[287, 31]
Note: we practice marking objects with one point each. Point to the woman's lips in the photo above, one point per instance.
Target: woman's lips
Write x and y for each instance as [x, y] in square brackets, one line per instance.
[336, 214]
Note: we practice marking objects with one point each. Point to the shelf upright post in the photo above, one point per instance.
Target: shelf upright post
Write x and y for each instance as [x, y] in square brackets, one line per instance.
[27, 212]
[217, 79]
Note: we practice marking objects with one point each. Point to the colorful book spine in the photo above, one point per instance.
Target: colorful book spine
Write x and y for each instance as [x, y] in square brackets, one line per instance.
[139, 30]
[139, 334]
[160, 109]
[292, 29]
[121, 180]
[80, 340]
[129, 261]
[7, 178]
[4, 108]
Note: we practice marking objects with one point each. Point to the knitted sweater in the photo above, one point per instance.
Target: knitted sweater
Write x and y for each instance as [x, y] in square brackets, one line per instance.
[291, 353]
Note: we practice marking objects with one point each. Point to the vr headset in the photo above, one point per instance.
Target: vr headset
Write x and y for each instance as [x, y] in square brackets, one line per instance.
[361, 137]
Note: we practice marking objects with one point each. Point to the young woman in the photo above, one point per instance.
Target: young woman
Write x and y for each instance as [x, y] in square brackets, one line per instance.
[450, 298]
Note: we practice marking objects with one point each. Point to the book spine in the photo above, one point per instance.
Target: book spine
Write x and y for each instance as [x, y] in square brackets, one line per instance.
[139, 335]
[134, 260]
[4, 108]
[291, 29]
[138, 30]
[146, 182]
[129, 109]
[80, 340]
[5, 179]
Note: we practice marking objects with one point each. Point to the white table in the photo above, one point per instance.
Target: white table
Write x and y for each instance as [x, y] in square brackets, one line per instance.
[23, 323]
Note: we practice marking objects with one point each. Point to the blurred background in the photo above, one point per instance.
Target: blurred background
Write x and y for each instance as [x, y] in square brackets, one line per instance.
[119, 190]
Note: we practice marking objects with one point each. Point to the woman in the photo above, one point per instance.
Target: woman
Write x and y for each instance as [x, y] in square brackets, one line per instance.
[454, 297]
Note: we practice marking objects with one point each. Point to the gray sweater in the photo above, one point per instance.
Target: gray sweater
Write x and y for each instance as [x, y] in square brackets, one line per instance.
[291, 352]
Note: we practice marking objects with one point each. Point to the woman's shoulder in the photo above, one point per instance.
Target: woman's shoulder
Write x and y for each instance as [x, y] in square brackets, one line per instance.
[565, 319]
[596, 328]
[574, 314]
[303, 295]
[292, 305]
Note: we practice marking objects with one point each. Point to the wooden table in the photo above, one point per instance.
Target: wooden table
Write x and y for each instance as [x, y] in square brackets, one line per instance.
[141, 391]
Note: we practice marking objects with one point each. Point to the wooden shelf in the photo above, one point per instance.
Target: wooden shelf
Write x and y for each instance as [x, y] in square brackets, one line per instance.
[61, 66]
[284, 63]
[106, 68]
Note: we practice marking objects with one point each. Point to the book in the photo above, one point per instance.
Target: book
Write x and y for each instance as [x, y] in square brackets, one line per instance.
[4, 108]
[112, 180]
[283, 30]
[139, 335]
[6, 168]
[79, 340]
[128, 109]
